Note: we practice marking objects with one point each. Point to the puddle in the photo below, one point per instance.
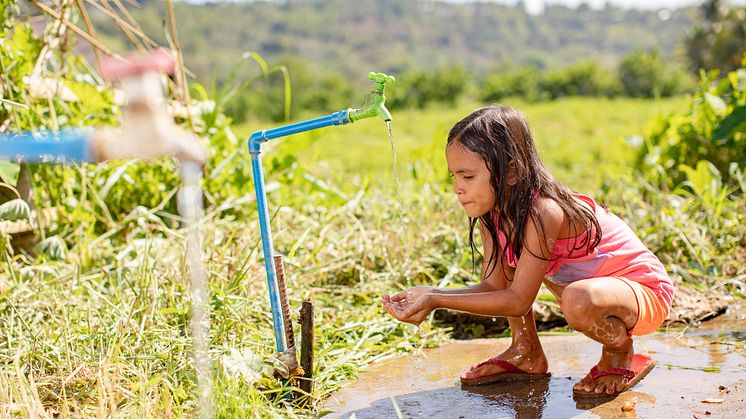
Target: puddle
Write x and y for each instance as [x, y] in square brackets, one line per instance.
[694, 365]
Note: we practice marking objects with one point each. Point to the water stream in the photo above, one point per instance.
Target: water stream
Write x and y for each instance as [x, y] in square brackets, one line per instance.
[402, 210]
[415, 336]
[190, 208]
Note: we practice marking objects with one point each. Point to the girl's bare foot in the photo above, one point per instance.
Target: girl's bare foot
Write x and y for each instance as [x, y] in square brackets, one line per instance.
[529, 357]
[609, 384]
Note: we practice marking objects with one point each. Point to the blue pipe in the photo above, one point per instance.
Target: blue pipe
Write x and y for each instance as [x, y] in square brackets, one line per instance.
[70, 145]
[254, 144]
[274, 296]
[337, 118]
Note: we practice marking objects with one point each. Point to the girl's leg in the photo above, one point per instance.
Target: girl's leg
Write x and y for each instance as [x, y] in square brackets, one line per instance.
[605, 310]
[525, 351]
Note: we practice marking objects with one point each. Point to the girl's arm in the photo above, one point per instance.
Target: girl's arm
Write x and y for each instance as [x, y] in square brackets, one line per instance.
[517, 298]
[496, 280]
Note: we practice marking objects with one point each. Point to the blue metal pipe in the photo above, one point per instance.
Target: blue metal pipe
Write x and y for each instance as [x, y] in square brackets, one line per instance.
[337, 118]
[70, 145]
[274, 295]
[254, 144]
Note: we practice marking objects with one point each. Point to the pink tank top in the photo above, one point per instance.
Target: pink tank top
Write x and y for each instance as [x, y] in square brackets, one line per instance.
[620, 253]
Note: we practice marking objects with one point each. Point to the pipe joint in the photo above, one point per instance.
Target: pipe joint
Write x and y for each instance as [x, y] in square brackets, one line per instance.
[255, 141]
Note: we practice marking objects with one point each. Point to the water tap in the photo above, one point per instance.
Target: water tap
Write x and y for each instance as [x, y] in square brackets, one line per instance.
[378, 100]
[147, 130]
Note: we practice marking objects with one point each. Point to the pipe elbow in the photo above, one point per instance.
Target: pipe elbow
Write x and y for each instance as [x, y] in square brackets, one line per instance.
[255, 141]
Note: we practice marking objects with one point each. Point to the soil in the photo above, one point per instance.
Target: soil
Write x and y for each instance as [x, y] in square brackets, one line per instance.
[690, 307]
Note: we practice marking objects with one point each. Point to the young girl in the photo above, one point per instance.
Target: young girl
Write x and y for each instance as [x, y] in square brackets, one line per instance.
[535, 230]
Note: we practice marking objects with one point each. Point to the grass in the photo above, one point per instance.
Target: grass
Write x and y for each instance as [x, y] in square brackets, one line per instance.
[104, 331]
[581, 139]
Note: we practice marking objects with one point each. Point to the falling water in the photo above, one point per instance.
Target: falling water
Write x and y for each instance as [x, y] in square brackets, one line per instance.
[190, 208]
[402, 210]
[416, 336]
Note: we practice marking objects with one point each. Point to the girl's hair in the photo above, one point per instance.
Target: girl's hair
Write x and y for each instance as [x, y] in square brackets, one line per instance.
[501, 136]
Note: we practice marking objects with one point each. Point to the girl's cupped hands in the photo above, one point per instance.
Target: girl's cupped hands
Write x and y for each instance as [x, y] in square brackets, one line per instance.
[410, 306]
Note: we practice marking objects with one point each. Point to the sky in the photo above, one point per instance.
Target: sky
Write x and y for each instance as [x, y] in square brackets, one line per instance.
[536, 6]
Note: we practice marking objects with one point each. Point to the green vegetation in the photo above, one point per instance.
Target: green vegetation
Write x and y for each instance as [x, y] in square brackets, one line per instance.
[329, 46]
[400, 35]
[717, 41]
[95, 319]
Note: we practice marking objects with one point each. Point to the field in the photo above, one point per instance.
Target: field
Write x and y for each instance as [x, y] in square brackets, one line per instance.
[103, 330]
[580, 139]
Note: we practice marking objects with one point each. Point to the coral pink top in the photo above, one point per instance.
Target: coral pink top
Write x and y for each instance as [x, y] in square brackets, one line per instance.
[620, 253]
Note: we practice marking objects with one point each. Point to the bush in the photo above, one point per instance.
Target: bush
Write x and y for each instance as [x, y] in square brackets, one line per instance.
[584, 78]
[416, 89]
[713, 130]
[644, 74]
[521, 82]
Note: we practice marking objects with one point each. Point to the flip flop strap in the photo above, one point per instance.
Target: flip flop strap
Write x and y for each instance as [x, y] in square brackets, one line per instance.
[595, 373]
[507, 366]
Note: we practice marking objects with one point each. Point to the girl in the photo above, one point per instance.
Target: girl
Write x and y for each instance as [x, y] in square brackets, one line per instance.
[535, 230]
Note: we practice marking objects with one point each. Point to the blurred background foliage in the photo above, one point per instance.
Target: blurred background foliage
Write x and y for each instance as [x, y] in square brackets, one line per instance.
[498, 51]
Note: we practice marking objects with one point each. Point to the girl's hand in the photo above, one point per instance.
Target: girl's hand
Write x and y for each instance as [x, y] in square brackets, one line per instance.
[411, 306]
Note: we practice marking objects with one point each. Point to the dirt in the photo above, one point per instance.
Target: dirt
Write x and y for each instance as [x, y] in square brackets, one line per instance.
[690, 307]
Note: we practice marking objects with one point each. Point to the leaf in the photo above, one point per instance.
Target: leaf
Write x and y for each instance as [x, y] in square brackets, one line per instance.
[728, 127]
[114, 178]
[54, 247]
[16, 209]
[94, 99]
[9, 172]
[244, 364]
[716, 103]
[705, 179]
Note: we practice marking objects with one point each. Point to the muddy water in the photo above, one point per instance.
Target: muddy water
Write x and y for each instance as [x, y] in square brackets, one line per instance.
[694, 365]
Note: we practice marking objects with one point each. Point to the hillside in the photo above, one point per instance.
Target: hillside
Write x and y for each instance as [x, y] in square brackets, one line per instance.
[350, 37]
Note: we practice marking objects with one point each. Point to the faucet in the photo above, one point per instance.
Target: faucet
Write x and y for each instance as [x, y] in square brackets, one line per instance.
[147, 130]
[377, 107]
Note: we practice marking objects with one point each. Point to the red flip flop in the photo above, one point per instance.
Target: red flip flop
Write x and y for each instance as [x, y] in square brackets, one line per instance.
[641, 366]
[511, 373]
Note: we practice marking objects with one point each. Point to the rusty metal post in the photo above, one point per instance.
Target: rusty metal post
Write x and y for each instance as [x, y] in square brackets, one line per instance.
[306, 345]
[282, 289]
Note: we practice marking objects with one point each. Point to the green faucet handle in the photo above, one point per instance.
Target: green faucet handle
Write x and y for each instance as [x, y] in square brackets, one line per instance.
[381, 78]
[376, 106]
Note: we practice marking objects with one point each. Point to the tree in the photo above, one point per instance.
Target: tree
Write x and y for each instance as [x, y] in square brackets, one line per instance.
[719, 41]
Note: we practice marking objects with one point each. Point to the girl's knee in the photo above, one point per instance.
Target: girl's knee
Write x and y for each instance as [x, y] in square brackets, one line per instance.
[578, 303]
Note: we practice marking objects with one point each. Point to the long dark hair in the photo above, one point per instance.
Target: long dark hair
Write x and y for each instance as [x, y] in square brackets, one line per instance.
[501, 136]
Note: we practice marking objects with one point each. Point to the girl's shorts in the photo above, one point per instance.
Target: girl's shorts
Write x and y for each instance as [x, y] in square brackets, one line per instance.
[652, 310]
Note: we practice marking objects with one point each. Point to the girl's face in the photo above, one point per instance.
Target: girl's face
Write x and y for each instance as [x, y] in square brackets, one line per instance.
[471, 180]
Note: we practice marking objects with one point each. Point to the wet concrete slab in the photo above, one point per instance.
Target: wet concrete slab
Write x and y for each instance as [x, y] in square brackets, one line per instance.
[692, 366]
